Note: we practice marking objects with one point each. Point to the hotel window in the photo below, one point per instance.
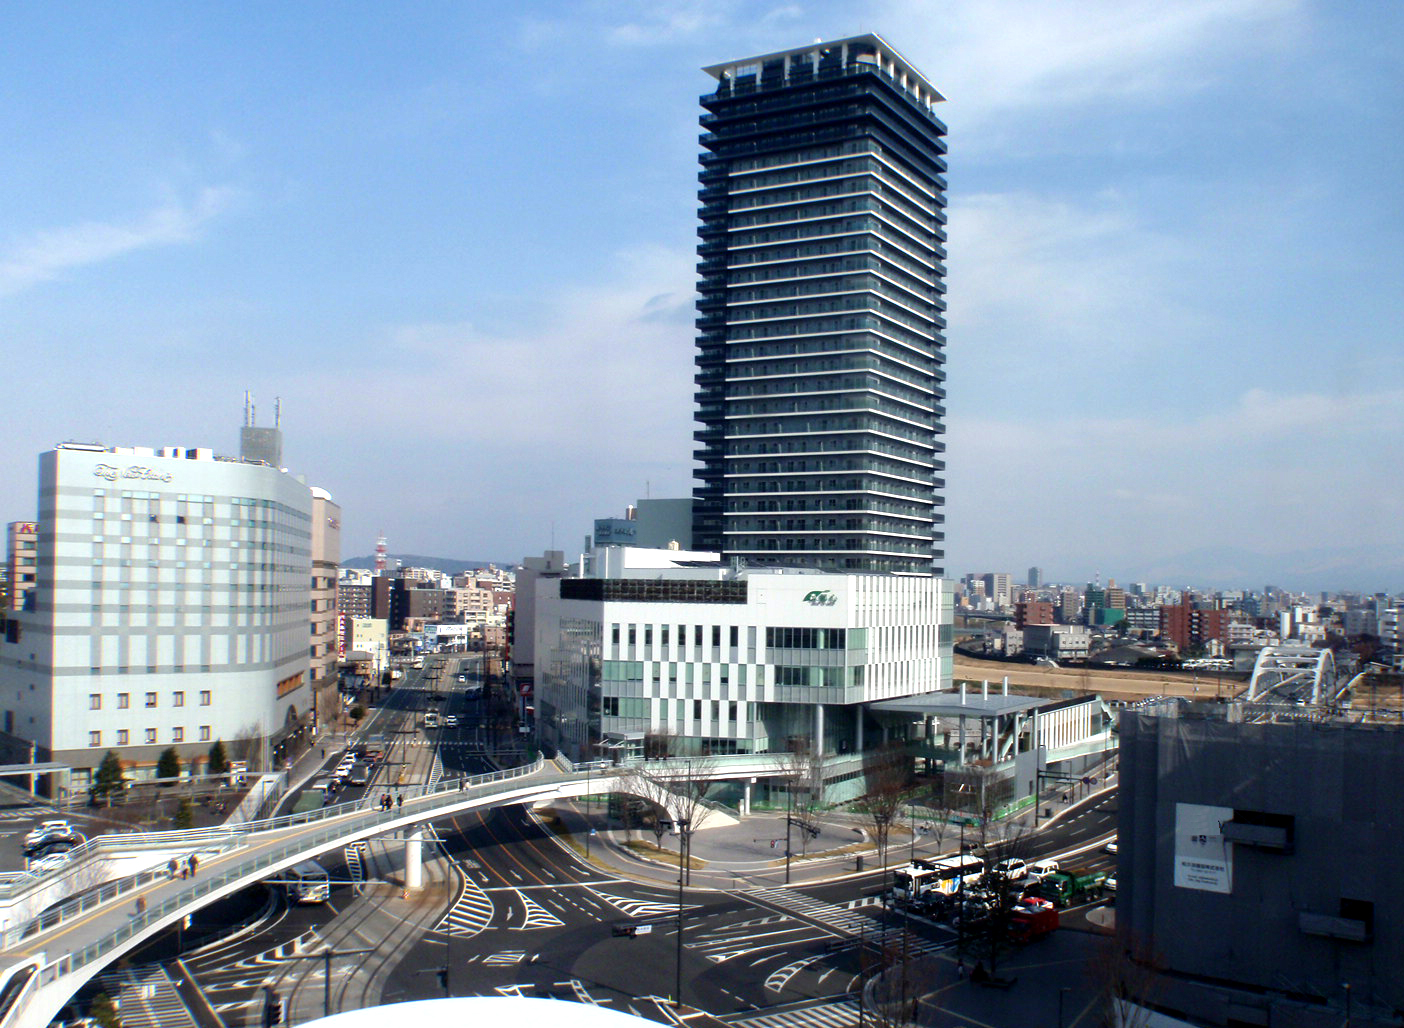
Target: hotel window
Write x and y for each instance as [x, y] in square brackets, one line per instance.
[95, 701]
[151, 699]
[122, 736]
[94, 738]
[204, 733]
[179, 699]
[204, 697]
[177, 735]
[124, 700]
[151, 735]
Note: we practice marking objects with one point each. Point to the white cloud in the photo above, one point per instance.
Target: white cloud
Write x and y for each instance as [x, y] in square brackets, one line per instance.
[602, 372]
[1272, 471]
[998, 56]
[48, 254]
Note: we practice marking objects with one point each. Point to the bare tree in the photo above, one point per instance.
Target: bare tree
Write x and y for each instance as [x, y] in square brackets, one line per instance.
[1000, 886]
[887, 774]
[803, 768]
[1127, 973]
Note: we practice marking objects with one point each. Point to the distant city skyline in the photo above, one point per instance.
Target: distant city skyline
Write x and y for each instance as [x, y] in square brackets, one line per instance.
[458, 242]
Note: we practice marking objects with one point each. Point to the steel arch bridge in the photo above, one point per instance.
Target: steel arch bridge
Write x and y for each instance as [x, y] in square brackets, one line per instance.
[1287, 672]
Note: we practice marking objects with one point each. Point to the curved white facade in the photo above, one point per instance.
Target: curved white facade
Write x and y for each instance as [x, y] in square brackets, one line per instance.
[171, 610]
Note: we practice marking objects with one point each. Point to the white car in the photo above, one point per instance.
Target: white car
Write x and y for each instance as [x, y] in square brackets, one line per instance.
[1038, 872]
[1012, 870]
[44, 865]
[1110, 883]
[1109, 847]
[49, 830]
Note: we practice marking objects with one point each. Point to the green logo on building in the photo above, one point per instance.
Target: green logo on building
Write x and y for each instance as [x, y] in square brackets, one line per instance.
[820, 598]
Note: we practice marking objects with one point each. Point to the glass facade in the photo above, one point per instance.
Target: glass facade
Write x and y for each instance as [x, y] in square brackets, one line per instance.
[820, 349]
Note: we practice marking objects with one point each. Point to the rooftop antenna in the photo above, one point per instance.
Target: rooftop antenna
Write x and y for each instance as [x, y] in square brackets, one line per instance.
[248, 408]
[277, 412]
[380, 554]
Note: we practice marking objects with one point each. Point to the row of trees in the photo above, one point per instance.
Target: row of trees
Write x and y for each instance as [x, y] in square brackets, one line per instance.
[110, 780]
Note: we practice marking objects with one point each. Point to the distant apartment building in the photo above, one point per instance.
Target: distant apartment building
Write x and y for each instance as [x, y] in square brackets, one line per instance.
[1115, 598]
[469, 603]
[170, 608]
[1033, 612]
[22, 562]
[1069, 607]
[1392, 629]
[1193, 628]
[354, 593]
[412, 601]
[1035, 579]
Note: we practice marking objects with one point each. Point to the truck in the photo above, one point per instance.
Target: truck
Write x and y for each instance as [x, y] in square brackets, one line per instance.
[1064, 887]
[1029, 923]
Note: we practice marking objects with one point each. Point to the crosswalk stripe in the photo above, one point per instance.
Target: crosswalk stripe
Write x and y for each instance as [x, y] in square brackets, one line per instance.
[843, 1014]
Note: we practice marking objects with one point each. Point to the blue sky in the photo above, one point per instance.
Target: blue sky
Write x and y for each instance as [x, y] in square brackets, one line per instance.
[457, 240]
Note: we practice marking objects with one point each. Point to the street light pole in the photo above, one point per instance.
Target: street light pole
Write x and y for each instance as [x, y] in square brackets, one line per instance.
[683, 825]
[789, 824]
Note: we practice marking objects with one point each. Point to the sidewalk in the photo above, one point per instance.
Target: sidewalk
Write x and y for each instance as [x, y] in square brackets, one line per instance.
[751, 851]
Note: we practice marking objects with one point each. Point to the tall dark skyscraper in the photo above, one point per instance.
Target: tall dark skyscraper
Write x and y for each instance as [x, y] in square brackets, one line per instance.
[820, 349]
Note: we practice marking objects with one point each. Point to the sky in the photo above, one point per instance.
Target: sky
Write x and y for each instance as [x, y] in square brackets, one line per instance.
[457, 240]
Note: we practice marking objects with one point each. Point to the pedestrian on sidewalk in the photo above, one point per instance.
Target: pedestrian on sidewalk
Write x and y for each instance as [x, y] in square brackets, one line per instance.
[171, 868]
[140, 905]
[400, 800]
[194, 863]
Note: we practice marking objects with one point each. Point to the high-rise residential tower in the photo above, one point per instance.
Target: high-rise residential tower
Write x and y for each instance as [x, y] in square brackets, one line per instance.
[820, 347]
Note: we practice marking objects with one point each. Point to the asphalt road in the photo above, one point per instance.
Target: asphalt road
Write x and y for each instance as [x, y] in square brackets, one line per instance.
[509, 911]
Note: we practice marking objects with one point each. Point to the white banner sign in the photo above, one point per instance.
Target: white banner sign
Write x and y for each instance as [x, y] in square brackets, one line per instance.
[1203, 860]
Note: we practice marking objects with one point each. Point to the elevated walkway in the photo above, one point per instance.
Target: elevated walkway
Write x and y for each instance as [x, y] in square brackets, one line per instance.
[47, 958]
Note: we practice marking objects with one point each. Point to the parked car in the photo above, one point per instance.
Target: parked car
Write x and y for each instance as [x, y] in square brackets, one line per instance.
[1041, 870]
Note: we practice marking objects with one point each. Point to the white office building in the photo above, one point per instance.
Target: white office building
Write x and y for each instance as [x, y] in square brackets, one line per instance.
[716, 659]
[171, 609]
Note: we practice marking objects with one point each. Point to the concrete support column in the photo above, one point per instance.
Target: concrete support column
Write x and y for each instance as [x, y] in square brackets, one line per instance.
[746, 787]
[961, 761]
[819, 729]
[858, 727]
[414, 859]
[994, 740]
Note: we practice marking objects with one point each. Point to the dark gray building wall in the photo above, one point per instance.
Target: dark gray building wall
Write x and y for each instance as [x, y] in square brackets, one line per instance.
[1256, 952]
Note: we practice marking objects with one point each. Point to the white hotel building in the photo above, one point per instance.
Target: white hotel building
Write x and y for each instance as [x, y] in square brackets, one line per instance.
[718, 660]
[172, 608]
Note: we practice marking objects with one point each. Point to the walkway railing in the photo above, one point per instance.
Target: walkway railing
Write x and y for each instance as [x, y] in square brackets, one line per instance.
[349, 817]
[294, 849]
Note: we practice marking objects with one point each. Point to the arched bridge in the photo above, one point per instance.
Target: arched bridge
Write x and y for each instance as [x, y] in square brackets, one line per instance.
[1293, 673]
[47, 959]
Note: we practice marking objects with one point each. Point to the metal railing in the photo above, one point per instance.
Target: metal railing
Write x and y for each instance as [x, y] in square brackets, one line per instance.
[286, 853]
[220, 840]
